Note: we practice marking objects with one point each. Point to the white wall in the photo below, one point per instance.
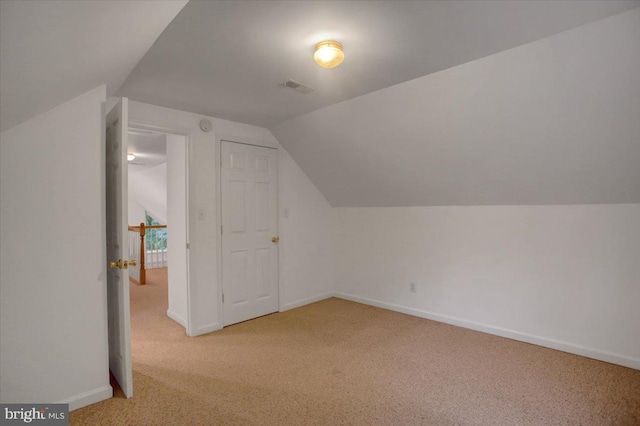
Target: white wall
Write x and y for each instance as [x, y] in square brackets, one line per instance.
[176, 192]
[53, 318]
[148, 192]
[306, 262]
[137, 212]
[561, 276]
[205, 287]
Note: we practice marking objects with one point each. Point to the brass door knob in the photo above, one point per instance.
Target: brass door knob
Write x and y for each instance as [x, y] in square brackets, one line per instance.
[120, 264]
[275, 240]
[133, 262]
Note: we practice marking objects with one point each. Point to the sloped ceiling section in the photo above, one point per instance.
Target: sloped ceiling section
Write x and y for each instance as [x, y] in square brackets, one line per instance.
[556, 121]
[53, 51]
[227, 59]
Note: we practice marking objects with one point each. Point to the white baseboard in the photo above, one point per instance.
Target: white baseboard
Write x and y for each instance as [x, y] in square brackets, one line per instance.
[613, 358]
[177, 318]
[217, 326]
[306, 301]
[88, 398]
[206, 329]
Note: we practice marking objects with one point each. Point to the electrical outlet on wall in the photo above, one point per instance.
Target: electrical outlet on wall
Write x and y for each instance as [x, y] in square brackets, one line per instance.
[412, 287]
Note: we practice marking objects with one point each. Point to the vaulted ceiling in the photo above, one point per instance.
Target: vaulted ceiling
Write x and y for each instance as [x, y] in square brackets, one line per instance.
[52, 51]
[436, 103]
[556, 121]
[227, 58]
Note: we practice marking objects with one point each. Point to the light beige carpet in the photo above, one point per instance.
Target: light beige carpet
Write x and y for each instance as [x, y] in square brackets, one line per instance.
[337, 362]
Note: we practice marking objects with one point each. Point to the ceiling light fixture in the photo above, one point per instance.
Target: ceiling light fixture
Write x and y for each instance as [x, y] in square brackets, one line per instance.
[130, 156]
[328, 54]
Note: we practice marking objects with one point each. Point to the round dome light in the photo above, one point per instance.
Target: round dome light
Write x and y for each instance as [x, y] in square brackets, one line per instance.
[328, 54]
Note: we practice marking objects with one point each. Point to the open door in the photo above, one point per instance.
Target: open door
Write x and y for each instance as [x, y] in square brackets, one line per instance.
[118, 247]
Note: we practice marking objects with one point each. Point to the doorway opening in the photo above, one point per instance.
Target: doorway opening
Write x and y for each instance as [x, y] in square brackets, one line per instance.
[157, 216]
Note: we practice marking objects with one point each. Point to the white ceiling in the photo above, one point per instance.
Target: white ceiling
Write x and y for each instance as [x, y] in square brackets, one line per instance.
[226, 58]
[423, 111]
[52, 51]
[150, 149]
[556, 121]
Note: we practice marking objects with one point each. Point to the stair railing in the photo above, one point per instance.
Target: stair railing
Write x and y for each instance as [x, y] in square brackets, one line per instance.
[148, 255]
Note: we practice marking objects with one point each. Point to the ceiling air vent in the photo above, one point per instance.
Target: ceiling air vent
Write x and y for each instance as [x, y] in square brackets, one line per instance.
[297, 86]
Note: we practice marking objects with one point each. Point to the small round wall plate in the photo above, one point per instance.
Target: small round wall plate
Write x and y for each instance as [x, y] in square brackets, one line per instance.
[205, 125]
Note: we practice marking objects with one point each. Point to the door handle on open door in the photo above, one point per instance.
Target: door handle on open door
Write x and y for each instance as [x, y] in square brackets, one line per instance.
[133, 262]
[121, 265]
[275, 240]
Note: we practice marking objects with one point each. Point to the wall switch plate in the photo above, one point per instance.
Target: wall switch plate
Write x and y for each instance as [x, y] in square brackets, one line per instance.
[201, 214]
[412, 287]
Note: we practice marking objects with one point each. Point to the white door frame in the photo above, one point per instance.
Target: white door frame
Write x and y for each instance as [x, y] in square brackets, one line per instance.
[188, 138]
[218, 153]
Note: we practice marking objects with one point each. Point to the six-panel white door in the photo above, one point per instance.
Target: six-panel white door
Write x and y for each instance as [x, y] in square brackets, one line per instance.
[249, 231]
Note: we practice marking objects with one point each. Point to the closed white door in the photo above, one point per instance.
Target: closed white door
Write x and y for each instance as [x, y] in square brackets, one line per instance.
[118, 247]
[249, 231]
